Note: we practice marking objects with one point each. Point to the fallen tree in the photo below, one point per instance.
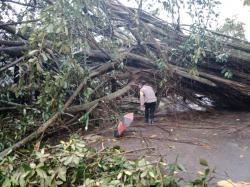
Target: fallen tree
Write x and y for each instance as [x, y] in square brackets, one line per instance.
[63, 64]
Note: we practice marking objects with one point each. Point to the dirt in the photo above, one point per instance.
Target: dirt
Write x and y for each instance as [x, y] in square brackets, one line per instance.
[222, 138]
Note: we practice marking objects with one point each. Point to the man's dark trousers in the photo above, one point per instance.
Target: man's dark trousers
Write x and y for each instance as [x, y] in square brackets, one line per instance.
[149, 111]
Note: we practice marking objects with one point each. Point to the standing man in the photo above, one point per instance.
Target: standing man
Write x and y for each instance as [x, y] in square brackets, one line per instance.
[147, 100]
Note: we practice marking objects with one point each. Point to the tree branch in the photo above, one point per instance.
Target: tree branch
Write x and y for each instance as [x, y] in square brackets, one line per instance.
[14, 51]
[11, 43]
[11, 30]
[79, 108]
[18, 23]
[12, 64]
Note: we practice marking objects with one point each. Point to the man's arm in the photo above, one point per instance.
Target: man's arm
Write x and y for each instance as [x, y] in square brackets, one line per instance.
[141, 99]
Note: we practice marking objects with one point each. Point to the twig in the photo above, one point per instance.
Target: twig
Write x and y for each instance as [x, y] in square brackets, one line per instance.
[135, 150]
[72, 120]
[165, 130]
[144, 139]
[169, 139]
[16, 106]
[12, 64]
[64, 126]
[65, 113]
[147, 155]
[7, 108]
[102, 147]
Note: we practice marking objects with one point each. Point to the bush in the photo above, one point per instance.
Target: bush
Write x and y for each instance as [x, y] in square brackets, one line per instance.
[72, 163]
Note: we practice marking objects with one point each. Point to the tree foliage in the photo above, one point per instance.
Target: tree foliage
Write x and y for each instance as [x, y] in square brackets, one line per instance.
[233, 28]
[246, 2]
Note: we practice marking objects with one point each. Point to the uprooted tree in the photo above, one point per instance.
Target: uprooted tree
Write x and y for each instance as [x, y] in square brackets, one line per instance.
[67, 60]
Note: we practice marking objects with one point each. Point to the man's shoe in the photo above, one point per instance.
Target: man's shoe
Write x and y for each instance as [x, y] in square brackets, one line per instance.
[146, 121]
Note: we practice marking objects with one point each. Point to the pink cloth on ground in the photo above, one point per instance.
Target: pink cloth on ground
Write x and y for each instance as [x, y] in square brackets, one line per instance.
[121, 127]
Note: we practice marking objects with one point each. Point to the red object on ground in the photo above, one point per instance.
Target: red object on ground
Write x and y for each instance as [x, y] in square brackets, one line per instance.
[121, 127]
[126, 121]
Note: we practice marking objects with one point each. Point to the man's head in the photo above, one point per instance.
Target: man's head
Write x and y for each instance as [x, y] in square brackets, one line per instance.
[141, 84]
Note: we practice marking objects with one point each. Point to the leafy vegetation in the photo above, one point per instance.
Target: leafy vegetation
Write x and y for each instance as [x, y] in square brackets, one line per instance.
[72, 163]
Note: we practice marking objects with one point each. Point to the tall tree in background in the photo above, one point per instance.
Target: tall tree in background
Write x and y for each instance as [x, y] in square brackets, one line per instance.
[247, 2]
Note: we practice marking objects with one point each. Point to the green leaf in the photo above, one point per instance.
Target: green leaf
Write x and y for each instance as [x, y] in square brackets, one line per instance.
[26, 167]
[207, 171]
[6, 183]
[58, 183]
[129, 173]
[76, 160]
[181, 167]
[68, 160]
[62, 173]
[33, 52]
[32, 165]
[45, 58]
[144, 174]
[41, 173]
[66, 31]
[50, 28]
[80, 145]
[115, 182]
[119, 175]
[203, 162]
[38, 67]
[151, 174]
[22, 180]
